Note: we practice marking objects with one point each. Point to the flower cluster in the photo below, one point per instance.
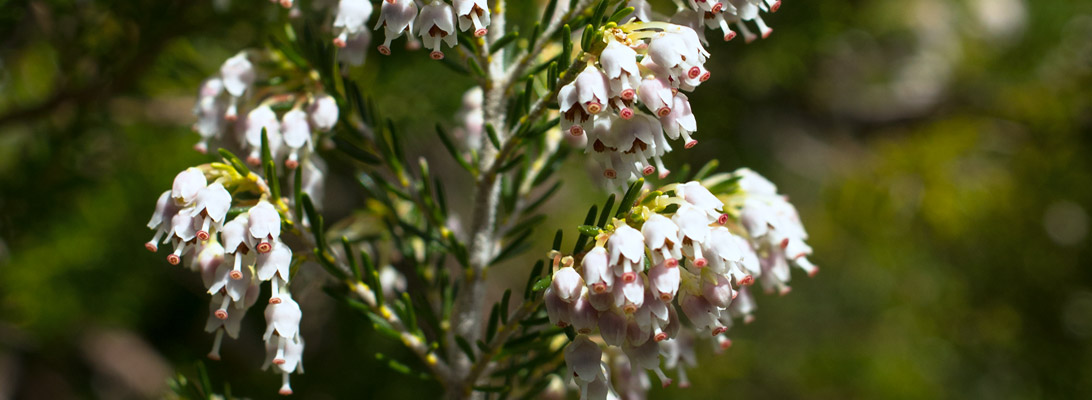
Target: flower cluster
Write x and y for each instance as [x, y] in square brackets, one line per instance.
[629, 100]
[630, 108]
[434, 23]
[684, 248]
[233, 256]
[290, 136]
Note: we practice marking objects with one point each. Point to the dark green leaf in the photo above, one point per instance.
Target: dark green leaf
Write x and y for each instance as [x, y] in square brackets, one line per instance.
[234, 161]
[450, 146]
[619, 14]
[491, 132]
[542, 284]
[465, 347]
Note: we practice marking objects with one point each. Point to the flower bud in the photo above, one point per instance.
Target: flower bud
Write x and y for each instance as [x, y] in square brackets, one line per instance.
[187, 184]
[582, 357]
[567, 284]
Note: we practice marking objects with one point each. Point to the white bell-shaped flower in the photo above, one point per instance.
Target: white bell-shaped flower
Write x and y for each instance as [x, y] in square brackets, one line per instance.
[591, 89]
[473, 13]
[297, 135]
[187, 184]
[556, 309]
[396, 17]
[583, 316]
[352, 15]
[619, 63]
[323, 113]
[699, 196]
[262, 117]
[276, 262]
[283, 319]
[264, 225]
[574, 118]
[567, 284]
[655, 92]
[582, 357]
[627, 252]
[694, 228]
[209, 110]
[436, 23]
[680, 121]
[165, 209]
[597, 271]
[662, 238]
[210, 209]
[208, 259]
[717, 289]
[237, 74]
[664, 281]
[182, 233]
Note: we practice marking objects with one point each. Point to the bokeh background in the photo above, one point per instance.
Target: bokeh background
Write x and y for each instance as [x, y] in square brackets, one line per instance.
[939, 152]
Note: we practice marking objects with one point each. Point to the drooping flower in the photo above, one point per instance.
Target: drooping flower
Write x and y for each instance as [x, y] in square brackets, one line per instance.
[473, 13]
[396, 17]
[436, 23]
[352, 15]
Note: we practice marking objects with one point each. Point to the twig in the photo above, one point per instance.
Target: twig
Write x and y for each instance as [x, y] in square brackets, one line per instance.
[412, 341]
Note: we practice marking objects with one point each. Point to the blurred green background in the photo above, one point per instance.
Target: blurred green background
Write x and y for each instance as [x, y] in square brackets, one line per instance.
[938, 151]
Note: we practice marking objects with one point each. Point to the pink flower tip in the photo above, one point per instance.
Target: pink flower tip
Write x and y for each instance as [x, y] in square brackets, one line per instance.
[201, 148]
[776, 6]
[726, 344]
[691, 144]
[747, 281]
[785, 290]
[384, 50]
[628, 94]
[610, 173]
[767, 33]
[286, 3]
[221, 314]
[600, 287]
[436, 55]
[705, 76]
[694, 72]
[719, 330]
[264, 247]
[667, 382]
[718, 8]
[595, 108]
[660, 337]
[278, 361]
[663, 111]
[722, 219]
[480, 32]
[214, 357]
[339, 42]
[274, 300]
[813, 272]
[202, 235]
[666, 297]
[648, 170]
[576, 130]
[254, 161]
[629, 308]
[236, 275]
[701, 262]
[285, 392]
[671, 262]
[151, 247]
[729, 36]
[173, 259]
[291, 164]
[664, 173]
[629, 277]
[626, 113]
[684, 385]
